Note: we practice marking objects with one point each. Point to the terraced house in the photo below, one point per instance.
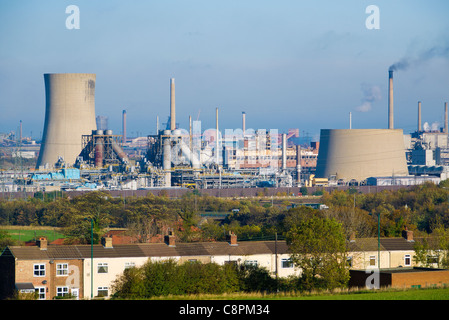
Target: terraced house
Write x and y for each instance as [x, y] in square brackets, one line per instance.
[85, 271]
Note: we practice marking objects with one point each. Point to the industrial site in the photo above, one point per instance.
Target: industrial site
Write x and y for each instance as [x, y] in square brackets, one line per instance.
[78, 151]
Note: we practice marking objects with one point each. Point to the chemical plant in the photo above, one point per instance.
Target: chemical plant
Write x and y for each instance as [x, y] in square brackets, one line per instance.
[79, 152]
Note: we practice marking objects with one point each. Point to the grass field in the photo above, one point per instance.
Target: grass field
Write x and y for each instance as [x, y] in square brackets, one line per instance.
[383, 294]
[24, 234]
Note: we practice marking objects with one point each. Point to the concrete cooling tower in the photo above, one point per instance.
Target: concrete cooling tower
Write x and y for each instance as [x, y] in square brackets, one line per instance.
[69, 114]
[361, 153]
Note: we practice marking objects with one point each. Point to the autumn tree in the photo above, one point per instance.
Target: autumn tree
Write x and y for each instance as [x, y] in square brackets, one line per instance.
[318, 247]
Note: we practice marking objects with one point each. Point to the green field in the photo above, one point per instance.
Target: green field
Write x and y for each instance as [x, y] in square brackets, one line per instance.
[24, 234]
[411, 294]
[383, 294]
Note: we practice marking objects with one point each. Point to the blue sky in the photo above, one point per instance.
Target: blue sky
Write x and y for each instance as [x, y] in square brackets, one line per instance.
[286, 63]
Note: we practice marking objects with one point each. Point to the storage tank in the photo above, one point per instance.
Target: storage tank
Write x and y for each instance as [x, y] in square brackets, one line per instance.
[361, 153]
[69, 114]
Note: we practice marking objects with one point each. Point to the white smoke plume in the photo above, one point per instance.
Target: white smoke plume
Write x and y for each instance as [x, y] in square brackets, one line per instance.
[435, 126]
[370, 94]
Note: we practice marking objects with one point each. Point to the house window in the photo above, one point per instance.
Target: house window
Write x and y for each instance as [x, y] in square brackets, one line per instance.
[372, 260]
[40, 292]
[407, 260]
[39, 270]
[62, 291]
[102, 291]
[251, 263]
[129, 265]
[62, 269]
[286, 263]
[432, 259]
[102, 267]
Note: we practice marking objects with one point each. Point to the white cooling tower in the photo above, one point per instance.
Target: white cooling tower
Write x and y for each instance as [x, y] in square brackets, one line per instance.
[361, 153]
[69, 114]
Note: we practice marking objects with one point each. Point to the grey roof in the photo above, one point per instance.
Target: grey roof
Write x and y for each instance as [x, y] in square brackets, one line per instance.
[388, 244]
[68, 252]
[147, 250]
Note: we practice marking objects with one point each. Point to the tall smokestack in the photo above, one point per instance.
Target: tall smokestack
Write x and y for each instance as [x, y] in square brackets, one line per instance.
[172, 105]
[243, 122]
[350, 120]
[390, 100]
[445, 118]
[216, 137]
[419, 116]
[284, 151]
[124, 126]
[298, 165]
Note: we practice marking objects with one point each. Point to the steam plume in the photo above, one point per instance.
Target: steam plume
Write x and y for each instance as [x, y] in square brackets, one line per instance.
[434, 52]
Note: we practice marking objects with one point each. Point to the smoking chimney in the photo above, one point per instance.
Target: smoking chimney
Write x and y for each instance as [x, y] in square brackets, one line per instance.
[419, 116]
[390, 100]
[172, 105]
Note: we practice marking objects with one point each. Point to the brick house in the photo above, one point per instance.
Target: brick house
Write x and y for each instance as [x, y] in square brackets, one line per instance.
[56, 271]
[392, 252]
[50, 271]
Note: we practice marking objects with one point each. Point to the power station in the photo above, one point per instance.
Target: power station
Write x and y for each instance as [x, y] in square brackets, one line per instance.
[214, 158]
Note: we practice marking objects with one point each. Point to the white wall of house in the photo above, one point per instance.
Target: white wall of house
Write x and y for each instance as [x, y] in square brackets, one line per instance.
[105, 271]
[102, 281]
[388, 259]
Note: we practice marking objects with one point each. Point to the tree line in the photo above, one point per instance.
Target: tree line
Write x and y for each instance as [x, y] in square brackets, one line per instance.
[422, 209]
[316, 238]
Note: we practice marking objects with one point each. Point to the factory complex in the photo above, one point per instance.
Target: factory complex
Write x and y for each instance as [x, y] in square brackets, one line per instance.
[79, 152]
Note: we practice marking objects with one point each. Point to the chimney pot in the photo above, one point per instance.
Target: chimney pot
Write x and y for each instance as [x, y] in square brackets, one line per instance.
[106, 242]
[232, 238]
[42, 243]
[170, 239]
[352, 237]
[408, 235]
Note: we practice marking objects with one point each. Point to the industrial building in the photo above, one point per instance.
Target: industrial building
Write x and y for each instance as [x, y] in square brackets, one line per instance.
[212, 159]
[74, 137]
[384, 156]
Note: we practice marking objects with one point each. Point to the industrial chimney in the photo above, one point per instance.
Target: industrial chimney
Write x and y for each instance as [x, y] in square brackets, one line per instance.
[419, 116]
[172, 105]
[445, 118]
[298, 165]
[69, 114]
[284, 151]
[217, 144]
[243, 122]
[124, 126]
[390, 101]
